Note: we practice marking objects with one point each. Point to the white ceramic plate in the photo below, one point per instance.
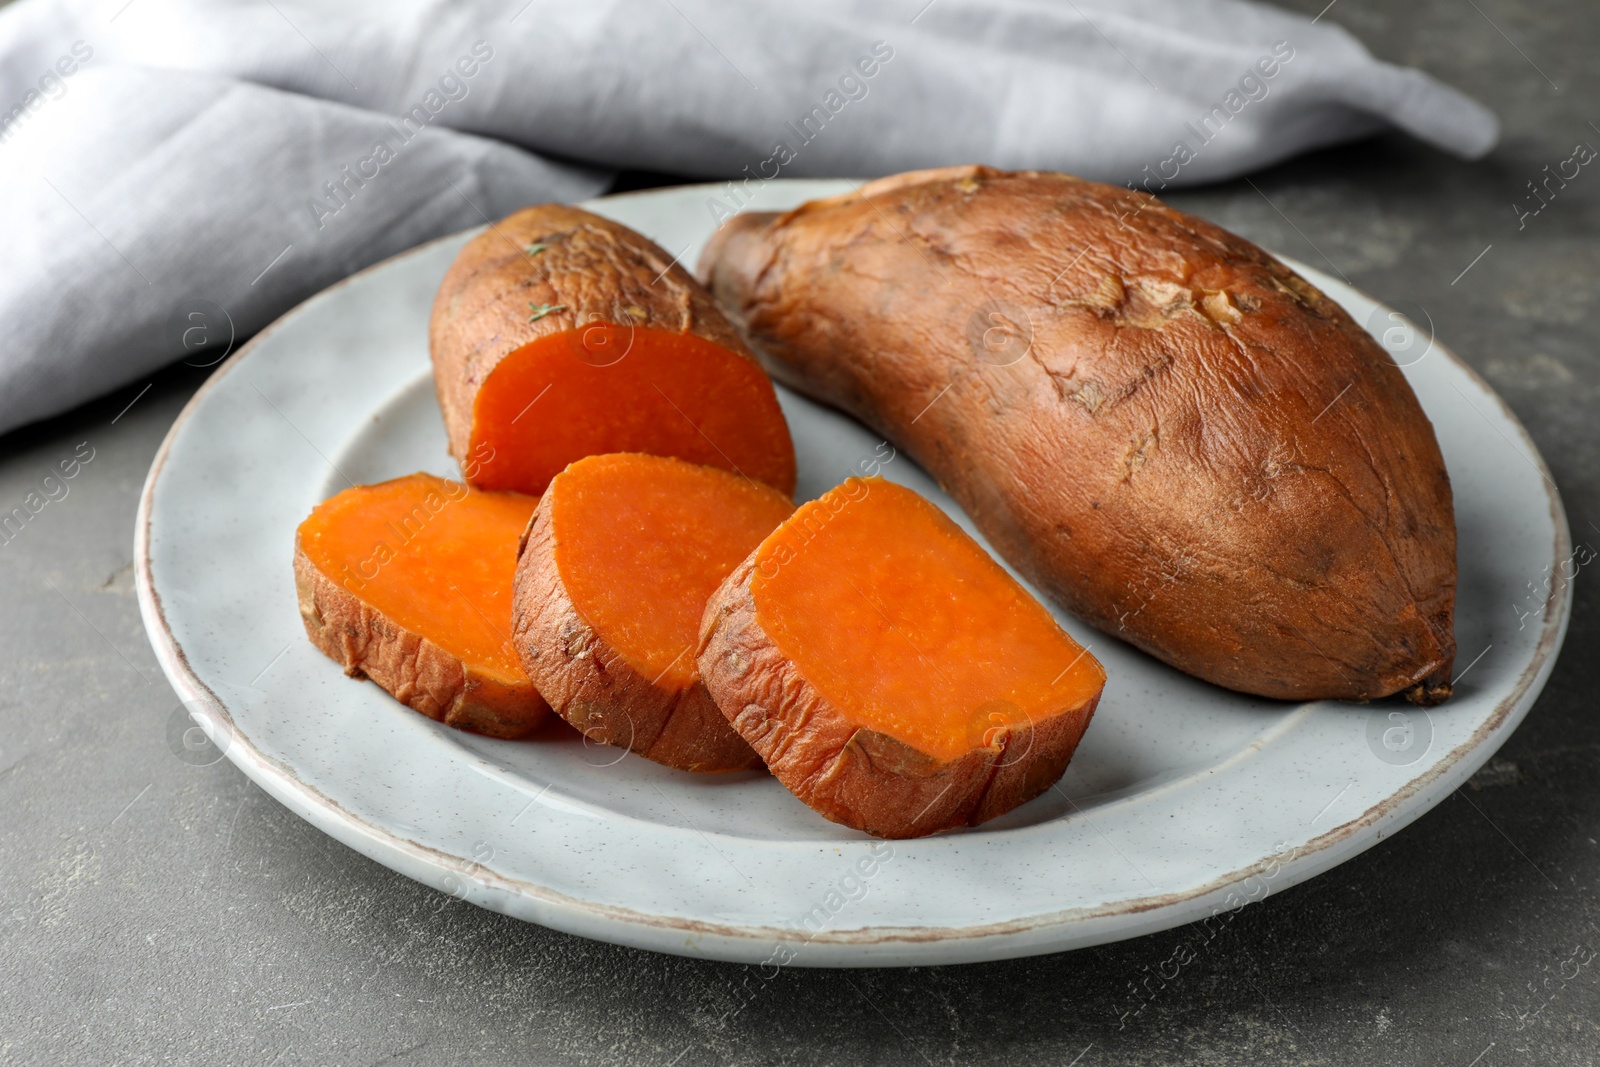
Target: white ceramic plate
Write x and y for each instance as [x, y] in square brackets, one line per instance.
[1184, 799]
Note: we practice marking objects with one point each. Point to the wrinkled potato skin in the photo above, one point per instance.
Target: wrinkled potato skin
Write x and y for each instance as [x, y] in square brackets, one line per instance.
[850, 774]
[595, 269]
[414, 670]
[1194, 449]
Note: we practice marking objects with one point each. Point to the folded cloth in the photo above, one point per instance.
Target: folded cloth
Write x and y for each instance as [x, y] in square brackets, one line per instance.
[168, 159]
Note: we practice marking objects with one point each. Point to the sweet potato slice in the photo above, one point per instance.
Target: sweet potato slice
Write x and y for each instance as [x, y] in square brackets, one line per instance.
[613, 578]
[889, 672]
[1173, 435]
[558, 334]
[408, 583]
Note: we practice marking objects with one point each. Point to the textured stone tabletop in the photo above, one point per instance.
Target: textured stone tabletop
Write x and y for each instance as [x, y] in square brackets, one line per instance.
[155, 910]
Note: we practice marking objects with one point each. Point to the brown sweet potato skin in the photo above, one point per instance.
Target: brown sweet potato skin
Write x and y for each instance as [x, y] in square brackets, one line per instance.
[595, 269]
[417, 672]
[590, 686]
[852, 775]
[1197, 452]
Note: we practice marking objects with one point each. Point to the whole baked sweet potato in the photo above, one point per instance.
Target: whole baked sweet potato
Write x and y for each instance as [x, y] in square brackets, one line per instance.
[1174, 435]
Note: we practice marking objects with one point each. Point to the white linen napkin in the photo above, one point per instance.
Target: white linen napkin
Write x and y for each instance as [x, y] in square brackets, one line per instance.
[177, 171]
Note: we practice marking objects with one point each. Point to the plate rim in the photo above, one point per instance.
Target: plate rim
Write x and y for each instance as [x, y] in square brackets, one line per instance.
[1310, 859]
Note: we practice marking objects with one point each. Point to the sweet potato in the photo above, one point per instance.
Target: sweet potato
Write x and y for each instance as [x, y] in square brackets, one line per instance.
[1176, 437]
[890, 673]
[408, 583]
[558, 334]
[613, 578]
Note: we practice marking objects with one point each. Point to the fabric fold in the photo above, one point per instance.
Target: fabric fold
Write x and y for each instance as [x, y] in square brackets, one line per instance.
[152, 195]
[161, 151]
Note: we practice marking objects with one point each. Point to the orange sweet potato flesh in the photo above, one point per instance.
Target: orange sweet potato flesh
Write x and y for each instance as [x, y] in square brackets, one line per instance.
[613, 578]
[558, 334]
[408, 583]
[1173, 435]
[890, 673]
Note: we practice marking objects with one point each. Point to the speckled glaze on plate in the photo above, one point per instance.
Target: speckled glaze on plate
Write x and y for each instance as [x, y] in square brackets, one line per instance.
[1184, 800]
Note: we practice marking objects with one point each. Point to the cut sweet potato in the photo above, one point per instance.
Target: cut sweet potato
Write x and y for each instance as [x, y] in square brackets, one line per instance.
[1172, 434]
[889, 672]
[408, 583]
[613, 578]
[558, 334]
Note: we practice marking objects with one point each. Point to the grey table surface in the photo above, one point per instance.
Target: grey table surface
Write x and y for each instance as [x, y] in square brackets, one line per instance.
[156, 911]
